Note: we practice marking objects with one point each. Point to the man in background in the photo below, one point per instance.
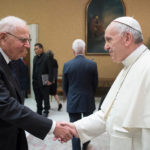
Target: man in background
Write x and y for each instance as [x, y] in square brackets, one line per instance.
[42, 79]
[80, 80]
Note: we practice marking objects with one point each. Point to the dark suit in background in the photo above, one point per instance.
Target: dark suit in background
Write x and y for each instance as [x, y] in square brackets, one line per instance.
[41, 66]
[80, 80]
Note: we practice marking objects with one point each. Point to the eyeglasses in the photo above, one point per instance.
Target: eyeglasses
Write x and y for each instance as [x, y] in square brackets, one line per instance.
[23, 40]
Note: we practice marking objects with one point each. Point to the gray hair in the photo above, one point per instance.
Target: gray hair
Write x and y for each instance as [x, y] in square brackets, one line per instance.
[122, 28]
[10, 23]
[78, 46]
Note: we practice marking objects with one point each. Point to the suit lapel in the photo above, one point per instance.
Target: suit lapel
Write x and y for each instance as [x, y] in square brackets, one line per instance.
[13, 83]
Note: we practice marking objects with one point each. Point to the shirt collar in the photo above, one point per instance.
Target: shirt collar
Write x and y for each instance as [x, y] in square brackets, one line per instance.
[5, 56]
[79, 54]
[134, 55]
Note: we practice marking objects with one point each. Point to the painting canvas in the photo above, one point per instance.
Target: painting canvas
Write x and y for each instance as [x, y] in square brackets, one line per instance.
[99, 14]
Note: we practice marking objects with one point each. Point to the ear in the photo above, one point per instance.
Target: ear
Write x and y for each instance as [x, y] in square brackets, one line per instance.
[2, 35]
[127, 38]
[73, 52]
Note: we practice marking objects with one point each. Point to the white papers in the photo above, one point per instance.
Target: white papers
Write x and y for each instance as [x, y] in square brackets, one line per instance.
[44, 79]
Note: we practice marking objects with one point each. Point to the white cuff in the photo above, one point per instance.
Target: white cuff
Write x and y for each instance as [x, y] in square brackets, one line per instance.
[53, 127]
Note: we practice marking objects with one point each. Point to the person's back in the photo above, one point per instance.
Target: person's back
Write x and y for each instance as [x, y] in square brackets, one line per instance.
[80, 79]
[55, 69]
[54, 72]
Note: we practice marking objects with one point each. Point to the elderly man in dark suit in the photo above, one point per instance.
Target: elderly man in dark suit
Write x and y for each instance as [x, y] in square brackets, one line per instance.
[14, 116]
[80, 80]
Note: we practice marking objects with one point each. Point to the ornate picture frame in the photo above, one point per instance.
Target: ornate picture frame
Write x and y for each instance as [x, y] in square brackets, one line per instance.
[99, 14]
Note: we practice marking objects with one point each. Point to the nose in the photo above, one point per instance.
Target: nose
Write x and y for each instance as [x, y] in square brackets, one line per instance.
[106, 46]
[27, 44]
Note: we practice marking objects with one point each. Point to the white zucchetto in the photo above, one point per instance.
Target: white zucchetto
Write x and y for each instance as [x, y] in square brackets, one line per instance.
[129, 21]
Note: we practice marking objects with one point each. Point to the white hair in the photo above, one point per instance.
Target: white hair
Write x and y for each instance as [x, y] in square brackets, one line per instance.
[122, 28]
[10, 23]
[78, 46]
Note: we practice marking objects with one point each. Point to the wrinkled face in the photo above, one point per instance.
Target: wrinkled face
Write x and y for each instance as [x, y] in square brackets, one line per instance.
[114, 44]
[38, 50]
[15, 44]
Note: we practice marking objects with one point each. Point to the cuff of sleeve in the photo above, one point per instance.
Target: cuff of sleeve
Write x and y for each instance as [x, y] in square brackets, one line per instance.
[53, 127]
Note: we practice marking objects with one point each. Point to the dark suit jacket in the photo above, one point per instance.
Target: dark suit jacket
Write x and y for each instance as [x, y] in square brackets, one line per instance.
[14, 117]
[42, 65]
[80, 80]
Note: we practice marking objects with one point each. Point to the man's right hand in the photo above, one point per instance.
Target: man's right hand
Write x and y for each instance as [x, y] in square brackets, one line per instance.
[65, 131]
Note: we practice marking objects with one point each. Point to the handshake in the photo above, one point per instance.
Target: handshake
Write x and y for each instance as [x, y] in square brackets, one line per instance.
[64, 131]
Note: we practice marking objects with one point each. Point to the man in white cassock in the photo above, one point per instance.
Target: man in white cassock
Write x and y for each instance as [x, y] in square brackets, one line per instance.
[125, 113]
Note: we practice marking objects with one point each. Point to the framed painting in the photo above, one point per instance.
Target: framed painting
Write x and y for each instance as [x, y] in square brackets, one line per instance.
[99, 14]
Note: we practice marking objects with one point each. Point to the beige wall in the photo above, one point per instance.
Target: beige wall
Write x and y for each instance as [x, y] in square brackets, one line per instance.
[62, 21]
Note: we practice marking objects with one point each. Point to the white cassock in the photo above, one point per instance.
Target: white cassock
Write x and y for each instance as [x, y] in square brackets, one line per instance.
[125, 113]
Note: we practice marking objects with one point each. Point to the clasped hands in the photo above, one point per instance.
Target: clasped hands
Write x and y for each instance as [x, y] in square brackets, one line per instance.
[64, 131]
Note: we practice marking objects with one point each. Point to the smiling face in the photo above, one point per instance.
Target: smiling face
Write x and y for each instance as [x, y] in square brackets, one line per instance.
[114, 43]
[13, 45]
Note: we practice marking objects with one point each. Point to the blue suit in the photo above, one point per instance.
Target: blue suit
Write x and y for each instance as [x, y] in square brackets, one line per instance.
[80, 80]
